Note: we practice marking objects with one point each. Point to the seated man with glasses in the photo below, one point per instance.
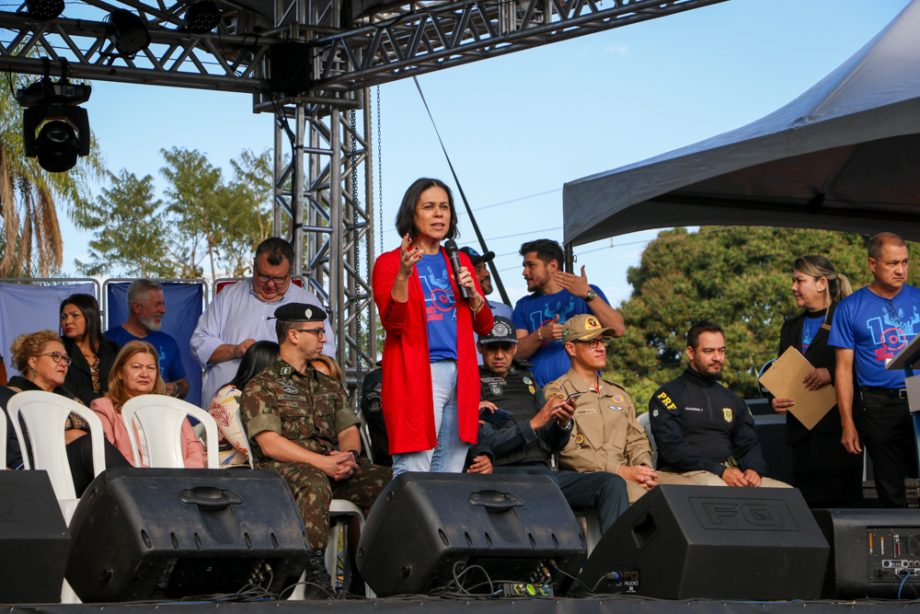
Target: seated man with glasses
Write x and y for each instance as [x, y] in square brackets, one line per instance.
[242, 314]
[606, 435]
[301, 425]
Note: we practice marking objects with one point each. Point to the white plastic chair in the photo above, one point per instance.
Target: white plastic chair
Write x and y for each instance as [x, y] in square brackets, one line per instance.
[44, 415]
[3, 438]
[159, 421]
[646, 422]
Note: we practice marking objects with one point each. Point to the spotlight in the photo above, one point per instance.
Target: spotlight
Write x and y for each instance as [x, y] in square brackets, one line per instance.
[44, 10]
[128, 32]
[63, 127]
[201, 17]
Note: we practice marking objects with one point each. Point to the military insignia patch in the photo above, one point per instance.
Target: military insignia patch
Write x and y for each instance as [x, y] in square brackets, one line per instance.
[527, 380]
[579, 439]
[286, 370]
[495, 389]
[308, 313]
[615, 407]
[727, 413]
[591, 323]
[618, 398]
[288, 389]
[654, 413]
[532, 389]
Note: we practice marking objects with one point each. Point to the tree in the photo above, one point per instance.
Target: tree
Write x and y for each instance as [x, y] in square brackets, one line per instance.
[738, 277]
[131, 230]
[31, 240]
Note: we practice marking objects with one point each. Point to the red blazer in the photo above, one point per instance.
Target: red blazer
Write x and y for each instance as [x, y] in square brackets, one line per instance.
[408, 409]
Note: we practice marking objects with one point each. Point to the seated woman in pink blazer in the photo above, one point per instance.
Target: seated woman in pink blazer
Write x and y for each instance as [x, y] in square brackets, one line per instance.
[137, 371]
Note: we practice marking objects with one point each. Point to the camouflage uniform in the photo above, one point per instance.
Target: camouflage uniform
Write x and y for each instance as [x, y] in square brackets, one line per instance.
[308, 409]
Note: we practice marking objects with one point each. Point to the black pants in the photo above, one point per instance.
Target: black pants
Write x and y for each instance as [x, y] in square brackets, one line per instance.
[80, 459]
[599, 490]
[888, 433]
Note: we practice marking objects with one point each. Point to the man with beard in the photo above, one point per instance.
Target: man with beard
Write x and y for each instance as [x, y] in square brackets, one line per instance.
[555, 297]
[870, 327]
[704, 431]
[146, 308]
[481, 266]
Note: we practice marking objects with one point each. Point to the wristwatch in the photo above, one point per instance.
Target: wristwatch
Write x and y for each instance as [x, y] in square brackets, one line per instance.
[590, 296]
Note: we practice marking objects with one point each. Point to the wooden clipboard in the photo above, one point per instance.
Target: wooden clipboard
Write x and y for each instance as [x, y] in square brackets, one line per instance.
[784, 380]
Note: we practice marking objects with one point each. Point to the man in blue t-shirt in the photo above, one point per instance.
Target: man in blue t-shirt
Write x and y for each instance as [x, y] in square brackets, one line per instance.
[870, 327]
[556, 297]
[146, 308]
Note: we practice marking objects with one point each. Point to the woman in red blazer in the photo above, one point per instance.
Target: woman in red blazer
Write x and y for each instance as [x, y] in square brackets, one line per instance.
[430, 376]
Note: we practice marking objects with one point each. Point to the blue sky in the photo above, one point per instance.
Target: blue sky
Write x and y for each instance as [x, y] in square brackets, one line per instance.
[517, 127]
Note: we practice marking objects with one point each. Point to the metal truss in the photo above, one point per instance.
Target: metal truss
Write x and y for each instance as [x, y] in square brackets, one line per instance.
[324, 198]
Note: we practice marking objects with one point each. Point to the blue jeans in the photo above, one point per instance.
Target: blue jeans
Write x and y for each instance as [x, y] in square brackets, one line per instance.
[449, 454]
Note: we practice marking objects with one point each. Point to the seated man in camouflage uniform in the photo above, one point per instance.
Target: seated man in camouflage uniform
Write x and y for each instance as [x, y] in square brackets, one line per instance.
[302, 427]
[524, 431]
[606, 436]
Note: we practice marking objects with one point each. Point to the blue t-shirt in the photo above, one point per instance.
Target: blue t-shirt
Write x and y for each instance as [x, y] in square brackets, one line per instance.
[440, 310]
[535, 310]
[171, 368]
[876, 329]
[810, 327]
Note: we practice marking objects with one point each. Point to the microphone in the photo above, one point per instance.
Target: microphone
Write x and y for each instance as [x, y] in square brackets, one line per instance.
[453, 255]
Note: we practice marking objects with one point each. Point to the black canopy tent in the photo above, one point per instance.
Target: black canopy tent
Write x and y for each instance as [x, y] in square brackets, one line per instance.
[845, 155]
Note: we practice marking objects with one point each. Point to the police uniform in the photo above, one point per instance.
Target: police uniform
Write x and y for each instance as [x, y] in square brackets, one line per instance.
[309, 409]
[515, 447]
[703, 428]
[606, 435]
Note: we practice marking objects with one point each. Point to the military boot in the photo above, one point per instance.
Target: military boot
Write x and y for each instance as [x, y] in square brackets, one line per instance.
[317, 584]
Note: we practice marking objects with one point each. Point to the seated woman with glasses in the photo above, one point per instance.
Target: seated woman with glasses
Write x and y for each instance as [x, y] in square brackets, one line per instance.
[43, 364]
[137, 371]
[91, 354]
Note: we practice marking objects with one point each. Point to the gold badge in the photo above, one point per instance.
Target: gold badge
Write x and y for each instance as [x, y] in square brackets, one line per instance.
[579, 439]
[727, 413]
[532, 389]
[591, 323]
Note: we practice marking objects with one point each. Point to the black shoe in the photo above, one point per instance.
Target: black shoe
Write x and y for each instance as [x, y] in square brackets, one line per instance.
[317, 583]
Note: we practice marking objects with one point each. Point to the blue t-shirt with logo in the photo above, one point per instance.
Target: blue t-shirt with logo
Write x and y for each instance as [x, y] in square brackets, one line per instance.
[171, 369]
[876, 329]
[810, 327]
[440, 309]
[535, 310]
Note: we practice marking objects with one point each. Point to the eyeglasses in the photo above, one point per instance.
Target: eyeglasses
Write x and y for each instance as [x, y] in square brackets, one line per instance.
[57, 357]
[319, 332]
[264, 279]
[593, 344]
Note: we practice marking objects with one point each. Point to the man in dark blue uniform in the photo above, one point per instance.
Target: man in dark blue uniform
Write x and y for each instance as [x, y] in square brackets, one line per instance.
[519, 430]
[704, 431]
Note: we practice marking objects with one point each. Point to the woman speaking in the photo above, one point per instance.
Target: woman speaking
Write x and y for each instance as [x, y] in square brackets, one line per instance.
[824, 471]
[430, 376]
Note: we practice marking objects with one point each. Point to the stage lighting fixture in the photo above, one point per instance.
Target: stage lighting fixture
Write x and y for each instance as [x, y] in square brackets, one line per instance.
[44, 10]
[201, 17]
[55, 129]
[128, 32]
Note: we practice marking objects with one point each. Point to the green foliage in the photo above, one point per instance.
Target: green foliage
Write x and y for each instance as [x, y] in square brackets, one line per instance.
[738, 277]
[205, 223]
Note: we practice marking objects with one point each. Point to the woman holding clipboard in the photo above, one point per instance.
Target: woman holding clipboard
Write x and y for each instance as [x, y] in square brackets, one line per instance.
[825, 473]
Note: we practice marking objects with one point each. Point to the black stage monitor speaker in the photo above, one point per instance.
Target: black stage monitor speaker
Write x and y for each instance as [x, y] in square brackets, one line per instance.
[681, 542]
[874, 552]
[33, 539]
[428, 531]
[170, 533]
[290, 67]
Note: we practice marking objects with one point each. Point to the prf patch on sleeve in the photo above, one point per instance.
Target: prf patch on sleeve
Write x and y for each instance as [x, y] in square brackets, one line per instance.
[666, 401]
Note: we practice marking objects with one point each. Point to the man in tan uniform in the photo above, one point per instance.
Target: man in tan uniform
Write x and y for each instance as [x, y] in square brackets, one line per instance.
[606, 435]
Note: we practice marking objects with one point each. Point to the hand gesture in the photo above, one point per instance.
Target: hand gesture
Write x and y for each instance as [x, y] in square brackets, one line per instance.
[734, 477]
[576, 284]
[551, 410]
[408, 255]
[481, 464]
[752, 477]
[817, 378]
[551, 331]
[781, 405]
[646, 477]
[339, 465]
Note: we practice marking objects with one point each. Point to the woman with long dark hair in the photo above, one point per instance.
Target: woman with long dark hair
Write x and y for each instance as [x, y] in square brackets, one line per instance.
[91, 354]
[430, 373]
[824, 471]
[225, 405]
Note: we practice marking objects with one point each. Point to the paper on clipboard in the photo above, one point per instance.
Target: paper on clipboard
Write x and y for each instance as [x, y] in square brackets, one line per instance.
[784, 380]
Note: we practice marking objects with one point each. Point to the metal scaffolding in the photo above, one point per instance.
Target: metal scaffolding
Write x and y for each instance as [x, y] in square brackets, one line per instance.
[323, 194]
